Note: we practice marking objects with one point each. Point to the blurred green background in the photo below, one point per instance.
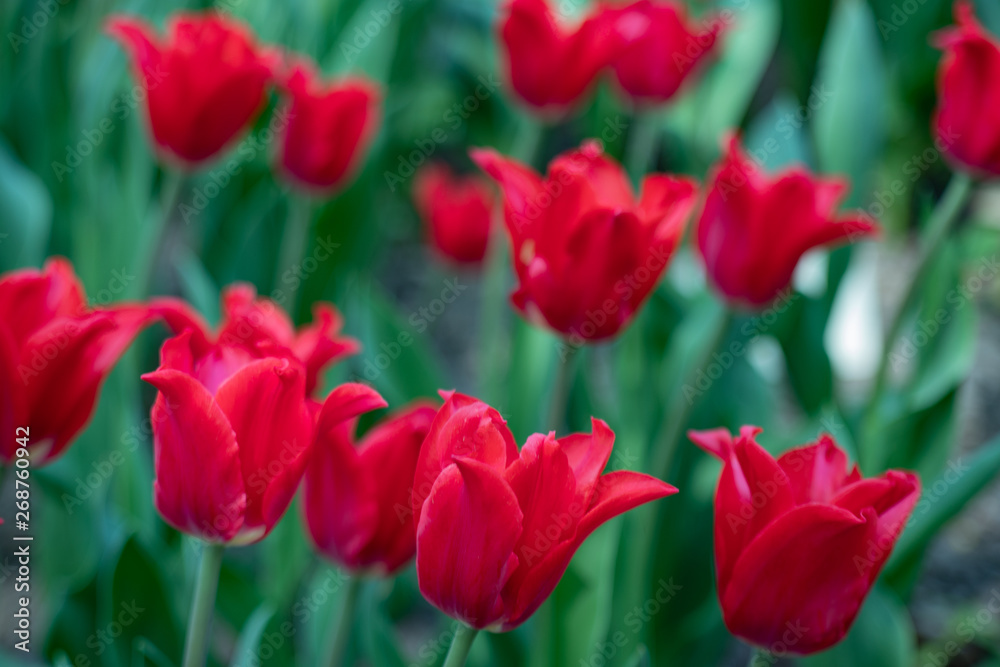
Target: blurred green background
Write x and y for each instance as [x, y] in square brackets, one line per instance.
[844, 86]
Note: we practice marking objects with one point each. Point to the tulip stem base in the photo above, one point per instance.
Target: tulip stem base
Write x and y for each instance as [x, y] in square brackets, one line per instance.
[460, 645]
[343, 623]
[941, 221]
[202, 606]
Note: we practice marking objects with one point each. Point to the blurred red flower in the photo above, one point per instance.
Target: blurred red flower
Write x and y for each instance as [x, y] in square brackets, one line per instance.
[800, 540]
[654, 64]
[969, 93]
[550, 65]
[457, 211]
[587, 252]
[496, 528]
[328, 128]
[262, 328]
[754, 228]
[356, 494]
[232, 433]
[205, 82]
[55, 352]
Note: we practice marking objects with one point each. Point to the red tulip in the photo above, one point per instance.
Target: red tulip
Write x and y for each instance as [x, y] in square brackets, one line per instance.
[356, 495]
[232, 433]
[586, 251]
[496, 528]
[329, 128]
[457, 211]
[55, 352]
[969, 93]
[656, 62]
[754, 227]
[205, 82]
[551, 66]
[262, 328]
[799, 541]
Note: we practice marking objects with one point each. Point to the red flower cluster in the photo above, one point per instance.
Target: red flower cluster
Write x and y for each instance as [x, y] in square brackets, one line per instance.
[651, 46]
[207, 80]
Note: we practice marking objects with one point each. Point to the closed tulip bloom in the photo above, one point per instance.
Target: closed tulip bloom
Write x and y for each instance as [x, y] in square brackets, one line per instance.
[586, 250]
[497, 528]
[55, 353]
[232, 433]
[205, 81]
[755, 227]
[261, 327]
[457, 211]
[662, 56]
[969, 93]
[328, 128]
[800, 540]
[356, 495]
[551, 66]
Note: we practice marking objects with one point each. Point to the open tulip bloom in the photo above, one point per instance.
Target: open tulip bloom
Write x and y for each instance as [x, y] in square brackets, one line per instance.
[800, 540]
[496, 528]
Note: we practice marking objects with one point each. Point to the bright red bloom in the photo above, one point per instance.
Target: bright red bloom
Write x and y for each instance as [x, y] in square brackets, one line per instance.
[969, 93]
[457, 211]
[205, 82]
[496, 528]
[657, 61]
[754, 227]
[232, 433]
[329, 126]
[261, 327]
[55, 352]
[356, 495]
[799, 541]
[586, 251]
[551, 66]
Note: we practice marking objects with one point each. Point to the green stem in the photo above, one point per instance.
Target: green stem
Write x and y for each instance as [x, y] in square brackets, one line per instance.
[460, 645]
[940, 223]
[170, 191]
[643, 141]
[294, 239]
[560, 392]
[680, 408]
[336, 647]
[200, 620]
[527, 141]
[760, 657]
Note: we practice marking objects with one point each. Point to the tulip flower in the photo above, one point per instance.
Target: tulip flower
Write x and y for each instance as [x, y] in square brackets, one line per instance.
[969, 93]
[800, 540]
[261, 327]
[232, 433]
[356, 494]
[205, 81]
[496, 528]
[329, 127]
[457, 211]
[551, 66]
[587, 252]
[55, 353]
[754, 227]
[654, 65]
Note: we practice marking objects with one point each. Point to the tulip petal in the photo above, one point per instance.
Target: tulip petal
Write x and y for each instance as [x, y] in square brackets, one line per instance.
[465, 542]
[30, 299]
[319, 344]
[347, 401]
[199, 484]
[617, 493]
[801, 581]
[13, 408]
[893, 497]
[179, 316]
[265, 404]
[588, 454]
[816, 472]
[463, 427]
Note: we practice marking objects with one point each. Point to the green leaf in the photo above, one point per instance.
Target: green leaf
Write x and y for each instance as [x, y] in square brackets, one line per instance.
[776, 138]
[247, 650]
[197, 285]
[25, 214]
[850, 126]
